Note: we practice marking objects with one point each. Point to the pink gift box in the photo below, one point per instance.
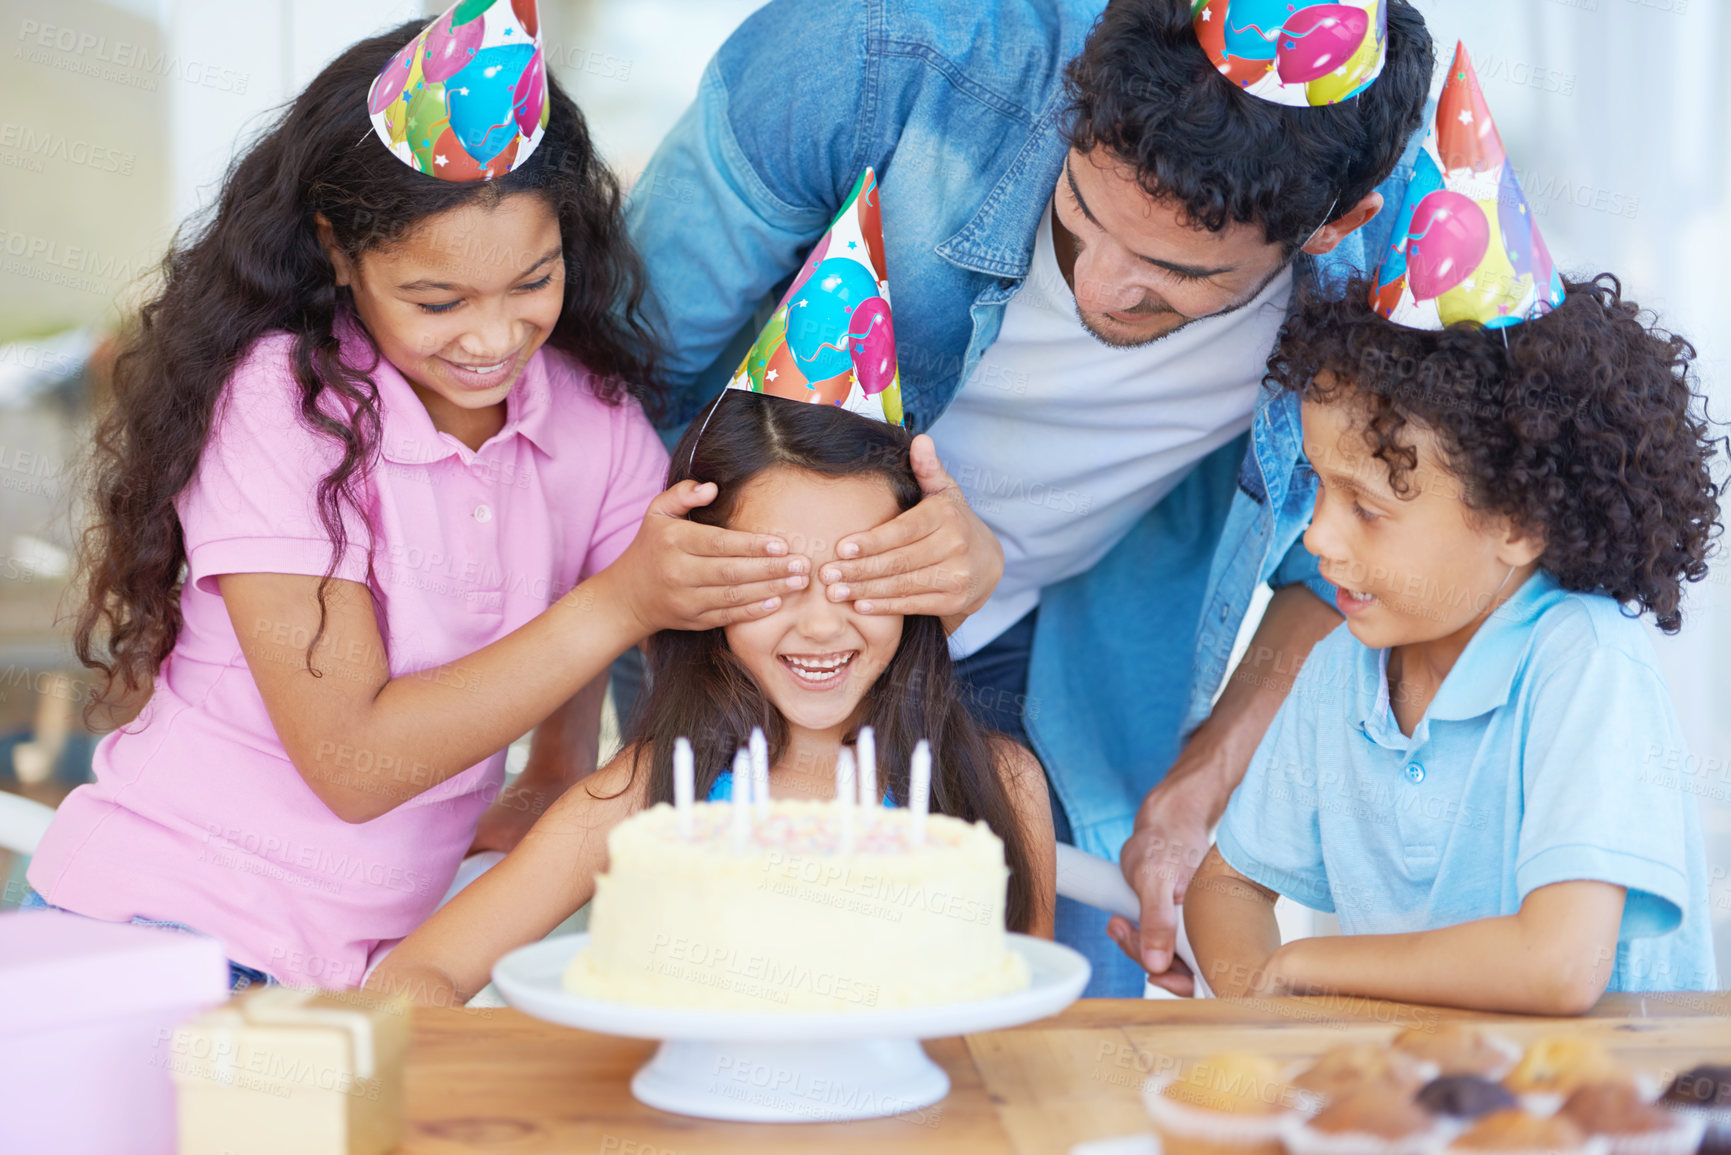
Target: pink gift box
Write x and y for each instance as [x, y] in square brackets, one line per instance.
[87, 1017]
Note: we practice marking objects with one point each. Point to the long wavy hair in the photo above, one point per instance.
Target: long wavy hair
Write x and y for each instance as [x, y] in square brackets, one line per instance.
[255, 266]
[698, 690]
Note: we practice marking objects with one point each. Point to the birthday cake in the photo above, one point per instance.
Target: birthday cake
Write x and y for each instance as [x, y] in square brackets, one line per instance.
[794, 906]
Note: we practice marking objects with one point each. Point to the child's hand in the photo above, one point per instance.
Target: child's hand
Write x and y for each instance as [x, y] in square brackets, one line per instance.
[680, 575]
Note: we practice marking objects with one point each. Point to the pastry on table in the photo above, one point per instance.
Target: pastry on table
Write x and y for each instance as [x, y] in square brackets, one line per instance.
[1458, 1049]
[1377, 1119]
[1630, 1124]
[1465, 1097]
[1524, 1132]
[1344, 1069]
[1703, 1088]
[797, 908]
[1558, 1065]
[1226, 1104]
[1704, 1092]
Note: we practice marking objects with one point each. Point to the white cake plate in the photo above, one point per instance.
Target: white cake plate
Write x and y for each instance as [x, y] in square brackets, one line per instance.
[787, 1067]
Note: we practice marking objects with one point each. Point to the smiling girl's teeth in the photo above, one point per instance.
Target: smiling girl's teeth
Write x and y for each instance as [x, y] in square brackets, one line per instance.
[481, 370]
[817, 669]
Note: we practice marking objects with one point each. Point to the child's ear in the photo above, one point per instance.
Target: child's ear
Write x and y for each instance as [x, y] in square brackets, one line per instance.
[1520, 545]
[345, 268]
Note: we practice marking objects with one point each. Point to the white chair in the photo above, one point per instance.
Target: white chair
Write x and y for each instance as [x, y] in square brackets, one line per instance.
[22, 823]
[472, 867]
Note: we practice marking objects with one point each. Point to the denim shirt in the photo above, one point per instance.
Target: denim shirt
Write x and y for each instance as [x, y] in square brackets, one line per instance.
[962, 111]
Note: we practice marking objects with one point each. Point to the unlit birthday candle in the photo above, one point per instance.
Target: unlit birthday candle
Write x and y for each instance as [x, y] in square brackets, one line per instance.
[844, 797]
[684, 784]
[920, 790]
[868, 767]
[759, 771]
[741, 800]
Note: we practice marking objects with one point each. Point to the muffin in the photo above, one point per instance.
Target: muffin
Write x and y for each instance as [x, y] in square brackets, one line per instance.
[1458, 1049]
[1465, 1097]
[1376, 1119]
[1523, 1132]
[1630, 1124]
[1345, 1069]
[1614, 1108]
[1227, 1104]
[1557, 1066]
[1706, 1089]
[1704, 1093]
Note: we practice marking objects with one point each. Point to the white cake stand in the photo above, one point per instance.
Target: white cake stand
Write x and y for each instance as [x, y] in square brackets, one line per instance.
[787, 1067]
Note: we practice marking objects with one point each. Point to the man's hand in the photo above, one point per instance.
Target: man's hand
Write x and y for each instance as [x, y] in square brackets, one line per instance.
[1170, 837]
[1159, 859]
[938, 558]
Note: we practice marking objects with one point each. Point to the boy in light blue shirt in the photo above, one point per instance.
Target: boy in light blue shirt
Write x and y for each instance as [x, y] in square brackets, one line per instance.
[1472, 771]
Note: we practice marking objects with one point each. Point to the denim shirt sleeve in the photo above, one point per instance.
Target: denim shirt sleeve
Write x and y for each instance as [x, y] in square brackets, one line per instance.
[1300, 565]
[748, 178]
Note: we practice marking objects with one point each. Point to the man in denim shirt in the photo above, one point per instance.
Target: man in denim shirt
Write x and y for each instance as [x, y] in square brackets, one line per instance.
[1096, 233]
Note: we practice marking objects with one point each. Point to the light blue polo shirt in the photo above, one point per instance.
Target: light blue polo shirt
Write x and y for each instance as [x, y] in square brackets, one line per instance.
[1548, 754]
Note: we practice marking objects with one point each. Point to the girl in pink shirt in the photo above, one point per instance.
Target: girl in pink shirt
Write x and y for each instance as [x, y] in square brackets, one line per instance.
[376, 497]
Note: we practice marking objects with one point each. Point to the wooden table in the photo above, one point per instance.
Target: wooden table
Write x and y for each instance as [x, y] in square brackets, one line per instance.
[498, 1081]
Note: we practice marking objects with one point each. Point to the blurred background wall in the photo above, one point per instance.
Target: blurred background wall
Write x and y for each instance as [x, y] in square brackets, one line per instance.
[118, 118]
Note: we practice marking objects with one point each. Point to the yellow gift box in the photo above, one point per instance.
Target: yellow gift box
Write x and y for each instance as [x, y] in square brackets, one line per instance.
[281, 1071]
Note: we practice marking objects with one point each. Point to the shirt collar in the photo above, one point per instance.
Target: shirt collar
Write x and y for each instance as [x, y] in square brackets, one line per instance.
[1482, 678]
[999, 239]
[407, 433]
[1484, 674]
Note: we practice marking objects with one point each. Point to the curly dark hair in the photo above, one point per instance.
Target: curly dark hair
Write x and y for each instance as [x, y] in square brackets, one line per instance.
[256, 266]
[1581, 425]
[1143, 89]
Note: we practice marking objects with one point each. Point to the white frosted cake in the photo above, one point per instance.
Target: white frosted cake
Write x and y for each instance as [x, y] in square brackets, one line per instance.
[793, 921]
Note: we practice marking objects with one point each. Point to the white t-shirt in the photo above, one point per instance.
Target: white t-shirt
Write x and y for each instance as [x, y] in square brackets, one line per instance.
[1062, 442]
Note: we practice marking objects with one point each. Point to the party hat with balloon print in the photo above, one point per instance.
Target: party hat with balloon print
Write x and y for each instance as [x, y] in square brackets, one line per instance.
[466, 99]
[1465, 245]
[1296, 52]
[831, 339]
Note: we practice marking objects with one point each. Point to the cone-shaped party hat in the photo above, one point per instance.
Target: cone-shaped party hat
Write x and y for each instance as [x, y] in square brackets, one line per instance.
[467, 98]
[1465, 245]
[831, 339]
[1297, 52]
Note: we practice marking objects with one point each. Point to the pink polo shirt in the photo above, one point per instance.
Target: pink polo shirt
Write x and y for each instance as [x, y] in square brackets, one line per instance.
[197, 815]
